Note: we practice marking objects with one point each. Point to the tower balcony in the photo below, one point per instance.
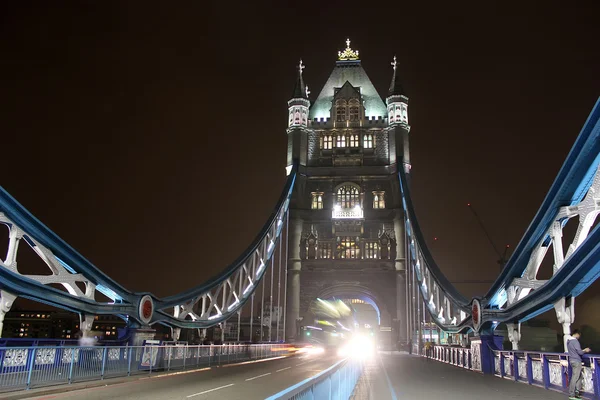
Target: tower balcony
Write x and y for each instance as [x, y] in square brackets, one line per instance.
[355, 212]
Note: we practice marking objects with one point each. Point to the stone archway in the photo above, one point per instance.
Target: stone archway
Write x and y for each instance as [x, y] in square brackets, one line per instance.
[349, 291]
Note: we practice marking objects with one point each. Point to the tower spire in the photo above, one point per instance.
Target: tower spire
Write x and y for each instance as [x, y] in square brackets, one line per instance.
[300, 89]
[396, 88]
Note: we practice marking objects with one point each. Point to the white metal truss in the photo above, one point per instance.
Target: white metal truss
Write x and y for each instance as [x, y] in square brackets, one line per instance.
[448, 313]
[221, 301]
[587, 210]
[60, 272]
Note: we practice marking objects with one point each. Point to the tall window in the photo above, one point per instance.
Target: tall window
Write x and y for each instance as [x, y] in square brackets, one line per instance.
[327, 142]
[368, 141]
[317, 201]
[354, 141]
[340, 112]
[347, 247]
[341, 141]
[378, 200]
[324, 250]
[354, 113]
[371, 250]
[347, 196]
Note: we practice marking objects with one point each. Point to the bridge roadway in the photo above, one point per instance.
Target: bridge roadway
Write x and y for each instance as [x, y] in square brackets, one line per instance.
[254, 380]
[394, 376]
[399, 376]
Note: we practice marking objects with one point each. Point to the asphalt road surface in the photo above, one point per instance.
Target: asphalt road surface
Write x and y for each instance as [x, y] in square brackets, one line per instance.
[399, 376]
[246, 381]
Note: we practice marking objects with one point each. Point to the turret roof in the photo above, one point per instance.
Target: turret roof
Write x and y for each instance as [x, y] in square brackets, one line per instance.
[395, 87]
[353, 72]
[300, 90]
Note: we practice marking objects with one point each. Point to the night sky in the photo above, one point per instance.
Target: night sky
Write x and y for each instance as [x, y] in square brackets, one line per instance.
[152, 138]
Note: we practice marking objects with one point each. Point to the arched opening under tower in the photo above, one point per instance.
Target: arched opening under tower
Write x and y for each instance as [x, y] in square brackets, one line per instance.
[347, 310]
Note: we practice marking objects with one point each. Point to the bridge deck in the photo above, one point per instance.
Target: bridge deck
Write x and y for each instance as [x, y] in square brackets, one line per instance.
[402, 376]
[392, 376]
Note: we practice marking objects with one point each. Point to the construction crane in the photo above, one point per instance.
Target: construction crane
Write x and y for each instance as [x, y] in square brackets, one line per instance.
[502, 258]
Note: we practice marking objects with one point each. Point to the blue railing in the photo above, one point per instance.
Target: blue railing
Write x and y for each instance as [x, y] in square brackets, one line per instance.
[31, 367]
[335, 383]
[546, 370]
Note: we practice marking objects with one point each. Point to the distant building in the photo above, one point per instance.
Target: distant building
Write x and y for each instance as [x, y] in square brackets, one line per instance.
[57, 325]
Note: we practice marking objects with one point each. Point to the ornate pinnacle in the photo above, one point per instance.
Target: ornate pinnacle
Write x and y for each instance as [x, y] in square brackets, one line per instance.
[301, 67]
[348, 54]
[306, 91]
[394, 63]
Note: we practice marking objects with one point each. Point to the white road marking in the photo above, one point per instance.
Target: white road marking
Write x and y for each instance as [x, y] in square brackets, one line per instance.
[260, 376]
[283, 369]
[210, 390]
[297, 365]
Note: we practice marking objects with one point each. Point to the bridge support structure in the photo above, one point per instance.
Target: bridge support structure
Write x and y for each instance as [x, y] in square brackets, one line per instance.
[6, 302]
[514, 334]
[293, 279]
[482, 350]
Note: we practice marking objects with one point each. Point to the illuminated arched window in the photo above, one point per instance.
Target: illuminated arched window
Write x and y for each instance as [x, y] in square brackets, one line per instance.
[341, 141]
[347, 247]
[340, 111]
[378, 200]
[347, 196]
[354, 110]
[368, 141]
[327, 142]
[317, 201]
[372, 250]
[354, 141]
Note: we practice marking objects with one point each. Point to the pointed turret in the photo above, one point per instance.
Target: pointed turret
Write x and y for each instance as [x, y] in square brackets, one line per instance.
[298, 121]
[397, 102]
[298, 104]
[397, 107]
[396, 88]
[300, 90]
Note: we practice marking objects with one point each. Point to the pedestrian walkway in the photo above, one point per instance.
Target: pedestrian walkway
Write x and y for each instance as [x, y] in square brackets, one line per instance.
[399, 376]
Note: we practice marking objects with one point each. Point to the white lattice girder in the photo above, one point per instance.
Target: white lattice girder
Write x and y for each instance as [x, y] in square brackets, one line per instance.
[59, 272]
[587, 210]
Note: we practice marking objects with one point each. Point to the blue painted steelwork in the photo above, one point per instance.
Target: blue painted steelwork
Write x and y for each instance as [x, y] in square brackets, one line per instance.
[543, 369]
[220, 297]
[35, 367]
[580, 269]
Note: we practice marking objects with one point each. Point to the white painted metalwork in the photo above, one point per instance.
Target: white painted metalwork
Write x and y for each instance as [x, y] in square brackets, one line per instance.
[60, 272]
[587, 211]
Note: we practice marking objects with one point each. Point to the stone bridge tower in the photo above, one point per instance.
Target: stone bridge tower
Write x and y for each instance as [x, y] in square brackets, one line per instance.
[346, 236]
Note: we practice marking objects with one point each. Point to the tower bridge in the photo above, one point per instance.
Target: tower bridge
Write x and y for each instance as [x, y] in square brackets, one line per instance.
[344, 228]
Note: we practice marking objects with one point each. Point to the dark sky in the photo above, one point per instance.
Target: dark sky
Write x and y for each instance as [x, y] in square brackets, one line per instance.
[152, 138]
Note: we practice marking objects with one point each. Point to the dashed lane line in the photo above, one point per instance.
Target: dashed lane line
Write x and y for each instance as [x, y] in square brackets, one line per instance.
[259, 376]
[283, 369]
[210, 390]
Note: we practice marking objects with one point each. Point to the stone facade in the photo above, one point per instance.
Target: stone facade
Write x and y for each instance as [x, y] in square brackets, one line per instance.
[347, 235]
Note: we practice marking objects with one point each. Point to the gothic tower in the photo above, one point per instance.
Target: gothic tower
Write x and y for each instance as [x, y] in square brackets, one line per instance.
[346, 234]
